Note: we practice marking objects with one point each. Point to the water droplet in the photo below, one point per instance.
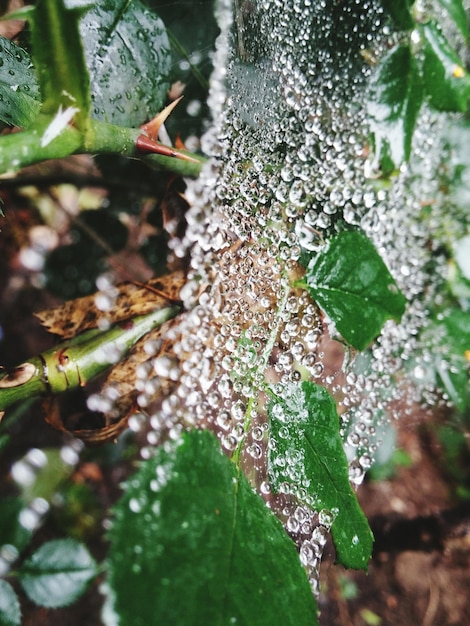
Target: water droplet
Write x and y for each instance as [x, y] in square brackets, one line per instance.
[135, 505]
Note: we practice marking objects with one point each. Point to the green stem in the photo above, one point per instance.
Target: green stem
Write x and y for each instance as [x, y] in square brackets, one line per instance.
[24, 148]
[110, 139]
[263, 362]
[75, 362]
[27, 147]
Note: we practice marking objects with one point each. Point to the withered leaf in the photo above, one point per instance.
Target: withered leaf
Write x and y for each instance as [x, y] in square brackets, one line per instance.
[103, 433]
[132, 299]
[126, 377]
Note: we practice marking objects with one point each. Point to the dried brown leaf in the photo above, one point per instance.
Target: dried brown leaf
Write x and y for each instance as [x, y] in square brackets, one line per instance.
[124, 378]
[93, 436]
[132, 299]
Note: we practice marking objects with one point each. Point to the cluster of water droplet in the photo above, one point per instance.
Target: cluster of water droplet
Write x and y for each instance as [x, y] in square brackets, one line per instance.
[291, 166]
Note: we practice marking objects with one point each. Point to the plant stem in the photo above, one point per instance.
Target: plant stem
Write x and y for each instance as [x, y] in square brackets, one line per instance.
[75, 362]
[110, 139]
[27, 147]
[260, 369]
[23, 148]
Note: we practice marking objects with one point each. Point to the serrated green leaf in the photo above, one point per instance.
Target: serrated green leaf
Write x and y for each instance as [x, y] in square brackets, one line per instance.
[129, 61]
[19, 92]
[306, 451]
[59, 60]
[57, 573]
[395, 98]
[10, 611]
[400, 12]
[191, 543]
[446, 82]
[350, 282]
[457, 12]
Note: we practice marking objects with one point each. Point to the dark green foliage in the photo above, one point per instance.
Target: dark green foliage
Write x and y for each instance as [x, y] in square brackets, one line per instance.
[395, 100]
[71, 270]
[400, 12]
[458, 14]
[446, 82]
[58, 57]
[452, 355]
[410, 71]
[11, 531]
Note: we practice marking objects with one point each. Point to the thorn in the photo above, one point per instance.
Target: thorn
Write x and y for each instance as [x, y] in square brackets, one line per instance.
[179, 143]
[145, 144]
[152, 128]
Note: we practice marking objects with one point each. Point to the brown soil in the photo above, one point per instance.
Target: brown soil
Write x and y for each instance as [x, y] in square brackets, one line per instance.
[408, 587]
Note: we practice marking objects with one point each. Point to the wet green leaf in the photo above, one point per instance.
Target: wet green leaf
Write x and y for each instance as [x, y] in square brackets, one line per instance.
[129, 60]
[400, 12]
[19, 92]
[350, 282]
[191, 543]
[57, 573]
[10, 611]
[395, 98]
[457, 13]
[308, 454]
[59, 60]
[446, 82]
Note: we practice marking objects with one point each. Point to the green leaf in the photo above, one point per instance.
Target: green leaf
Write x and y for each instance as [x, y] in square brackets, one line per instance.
[10, 612]
[59, 60]
[396, 94]
[19, 92]
[129, 61]
[457, 12]
[446, 82]
[306, 451]
[57, 573]
[353, 286]
[400, 12]
[191, 543]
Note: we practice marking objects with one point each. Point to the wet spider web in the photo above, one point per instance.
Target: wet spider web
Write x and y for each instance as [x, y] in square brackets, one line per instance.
[291, 165]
